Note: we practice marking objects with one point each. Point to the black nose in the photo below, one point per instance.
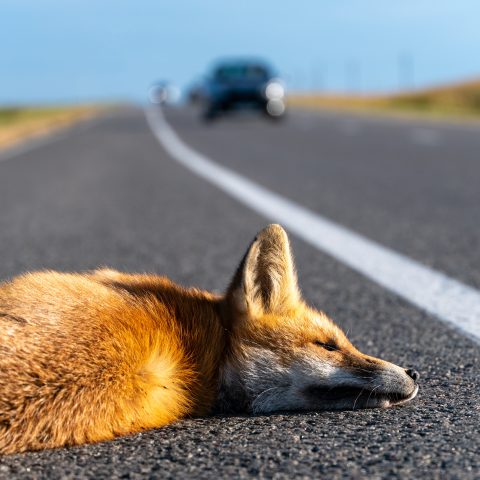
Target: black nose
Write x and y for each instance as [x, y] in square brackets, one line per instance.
[413, 374]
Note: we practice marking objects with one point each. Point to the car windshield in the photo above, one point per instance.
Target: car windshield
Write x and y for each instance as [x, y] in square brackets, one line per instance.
[241, 72]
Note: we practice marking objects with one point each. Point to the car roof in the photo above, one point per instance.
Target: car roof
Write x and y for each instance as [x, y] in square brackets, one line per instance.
[241, 62]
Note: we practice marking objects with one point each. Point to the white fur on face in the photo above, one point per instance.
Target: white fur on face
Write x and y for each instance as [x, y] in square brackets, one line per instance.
[272, 386]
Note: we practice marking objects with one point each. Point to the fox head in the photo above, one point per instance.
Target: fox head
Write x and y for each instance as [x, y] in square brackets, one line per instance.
[285, 355]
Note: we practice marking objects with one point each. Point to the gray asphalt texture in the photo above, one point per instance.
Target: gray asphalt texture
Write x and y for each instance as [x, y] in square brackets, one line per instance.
[107, 194]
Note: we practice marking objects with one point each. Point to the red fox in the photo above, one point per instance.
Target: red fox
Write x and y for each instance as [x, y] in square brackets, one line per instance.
[89, 357]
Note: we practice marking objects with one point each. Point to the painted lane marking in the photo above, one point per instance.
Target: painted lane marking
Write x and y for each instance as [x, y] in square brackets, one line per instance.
[448, 299]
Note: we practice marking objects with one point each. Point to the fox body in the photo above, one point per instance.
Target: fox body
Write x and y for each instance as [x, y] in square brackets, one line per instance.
[88, 357]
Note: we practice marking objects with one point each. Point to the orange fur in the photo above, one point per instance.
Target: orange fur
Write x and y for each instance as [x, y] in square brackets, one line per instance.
[85, 358]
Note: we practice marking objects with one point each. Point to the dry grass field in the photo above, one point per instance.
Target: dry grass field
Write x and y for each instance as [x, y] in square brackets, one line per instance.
[460, 101]
[20, 123]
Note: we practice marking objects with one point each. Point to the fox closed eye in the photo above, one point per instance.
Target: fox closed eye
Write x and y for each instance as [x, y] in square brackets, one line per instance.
[327, 346]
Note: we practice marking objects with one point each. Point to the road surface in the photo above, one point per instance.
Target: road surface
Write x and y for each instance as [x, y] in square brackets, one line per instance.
[107, 193]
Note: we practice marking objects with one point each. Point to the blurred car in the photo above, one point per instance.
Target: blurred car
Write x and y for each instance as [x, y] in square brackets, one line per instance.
[163, 92]
[241, 84]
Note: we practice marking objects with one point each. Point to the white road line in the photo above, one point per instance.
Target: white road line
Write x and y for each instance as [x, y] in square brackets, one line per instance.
[448, 299]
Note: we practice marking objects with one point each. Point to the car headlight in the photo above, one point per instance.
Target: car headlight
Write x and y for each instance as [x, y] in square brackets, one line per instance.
[274, 90]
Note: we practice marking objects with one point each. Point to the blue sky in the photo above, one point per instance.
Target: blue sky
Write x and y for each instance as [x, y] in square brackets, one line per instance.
[77, 50]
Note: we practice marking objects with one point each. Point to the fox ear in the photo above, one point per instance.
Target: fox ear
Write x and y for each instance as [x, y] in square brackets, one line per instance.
[265, 281]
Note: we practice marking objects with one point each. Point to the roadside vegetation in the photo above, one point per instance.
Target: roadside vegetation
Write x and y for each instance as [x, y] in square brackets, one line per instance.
[19, 123]
[458, 101]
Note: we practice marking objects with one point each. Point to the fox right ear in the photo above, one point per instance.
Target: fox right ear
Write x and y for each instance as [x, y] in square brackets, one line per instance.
[265, 281]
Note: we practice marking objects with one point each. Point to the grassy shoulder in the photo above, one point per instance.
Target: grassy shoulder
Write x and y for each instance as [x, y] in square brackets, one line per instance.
[20, 123]
[460, 102]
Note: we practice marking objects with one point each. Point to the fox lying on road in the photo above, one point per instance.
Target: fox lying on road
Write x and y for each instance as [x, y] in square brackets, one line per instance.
[89, 357]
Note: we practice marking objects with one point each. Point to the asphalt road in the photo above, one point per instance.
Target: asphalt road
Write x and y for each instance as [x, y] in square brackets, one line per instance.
[107, 193]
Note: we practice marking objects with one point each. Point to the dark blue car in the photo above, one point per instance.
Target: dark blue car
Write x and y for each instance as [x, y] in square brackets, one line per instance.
[240, 84]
